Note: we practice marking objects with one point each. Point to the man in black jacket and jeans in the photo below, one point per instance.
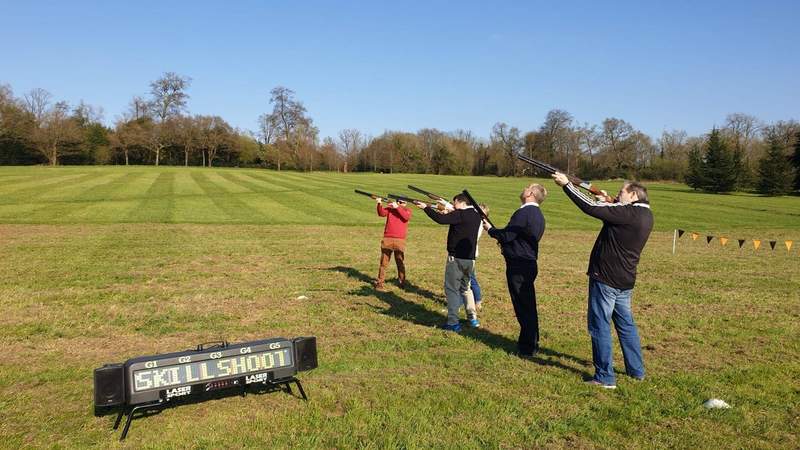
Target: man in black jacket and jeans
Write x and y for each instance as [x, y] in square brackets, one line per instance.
[519, 241]
[612, 273]
[462, 237]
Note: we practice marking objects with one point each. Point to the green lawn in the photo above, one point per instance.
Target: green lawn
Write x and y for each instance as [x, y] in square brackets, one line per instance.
[100, 264]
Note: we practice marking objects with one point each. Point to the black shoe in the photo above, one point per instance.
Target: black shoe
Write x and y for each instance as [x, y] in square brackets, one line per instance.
[528, 355]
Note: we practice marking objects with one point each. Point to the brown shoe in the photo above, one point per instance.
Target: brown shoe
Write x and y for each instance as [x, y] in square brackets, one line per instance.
[380, 287]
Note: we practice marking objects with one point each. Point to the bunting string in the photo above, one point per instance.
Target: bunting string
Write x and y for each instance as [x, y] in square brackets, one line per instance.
[723, 240]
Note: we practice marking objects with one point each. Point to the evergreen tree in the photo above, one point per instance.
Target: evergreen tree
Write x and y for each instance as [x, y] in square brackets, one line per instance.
[718, 167]
[694, 175]
[775, 170]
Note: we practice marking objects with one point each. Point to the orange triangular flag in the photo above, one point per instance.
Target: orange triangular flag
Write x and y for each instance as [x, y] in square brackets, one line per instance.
[723, 241]
[695, 236]
[788, 245]
[756, 244]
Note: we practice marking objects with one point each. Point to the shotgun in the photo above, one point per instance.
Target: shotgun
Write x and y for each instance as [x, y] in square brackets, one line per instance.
[544, 167]
[403, 198]
[477, 207]
[373, 196]
[439, 199]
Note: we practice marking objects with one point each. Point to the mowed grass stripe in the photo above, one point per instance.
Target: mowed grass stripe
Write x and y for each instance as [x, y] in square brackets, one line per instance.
[45, 187]
[330, 205]
[235, 209]
[68, 210]
[75, 191]
[271, 178]
[262, 184]
[273, 205]
[157, 204]
[302, 181]
[185, 185]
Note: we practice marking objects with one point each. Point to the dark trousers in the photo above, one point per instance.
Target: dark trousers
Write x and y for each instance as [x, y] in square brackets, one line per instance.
[521, 274]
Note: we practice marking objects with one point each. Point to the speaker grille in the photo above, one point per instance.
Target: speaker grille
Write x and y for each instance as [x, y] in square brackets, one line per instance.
[109, 385]
[305, 352]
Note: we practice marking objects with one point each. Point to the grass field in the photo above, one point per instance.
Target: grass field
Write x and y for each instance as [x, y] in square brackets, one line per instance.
[102, 264]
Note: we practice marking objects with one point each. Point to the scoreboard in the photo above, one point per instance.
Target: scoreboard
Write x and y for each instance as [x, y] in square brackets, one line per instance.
[148, 382]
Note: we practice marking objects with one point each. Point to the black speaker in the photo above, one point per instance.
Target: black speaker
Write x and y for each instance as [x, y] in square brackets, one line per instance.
[109, 387]
[305, 352]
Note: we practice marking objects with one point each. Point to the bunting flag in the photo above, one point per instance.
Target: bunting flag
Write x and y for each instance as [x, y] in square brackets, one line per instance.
[723, 240]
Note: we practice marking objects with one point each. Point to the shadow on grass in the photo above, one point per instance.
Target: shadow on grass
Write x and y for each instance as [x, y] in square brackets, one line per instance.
[417, 314]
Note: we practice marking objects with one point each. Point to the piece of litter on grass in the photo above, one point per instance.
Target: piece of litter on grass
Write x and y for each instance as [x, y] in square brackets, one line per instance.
[302, 297]
[716, 403]
[444, 310]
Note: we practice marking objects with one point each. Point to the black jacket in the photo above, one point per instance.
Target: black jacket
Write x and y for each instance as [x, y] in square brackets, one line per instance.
[463, 233]
[520, 238]
[619, 245]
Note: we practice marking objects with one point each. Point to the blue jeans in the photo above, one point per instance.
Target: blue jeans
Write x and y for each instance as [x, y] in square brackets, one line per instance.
[607, 304]
[476, 288]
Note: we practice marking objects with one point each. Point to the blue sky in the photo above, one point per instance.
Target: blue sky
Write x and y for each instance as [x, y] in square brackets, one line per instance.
[408, 65]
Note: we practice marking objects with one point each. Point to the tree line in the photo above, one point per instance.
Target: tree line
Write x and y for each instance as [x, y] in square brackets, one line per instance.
[742, 154]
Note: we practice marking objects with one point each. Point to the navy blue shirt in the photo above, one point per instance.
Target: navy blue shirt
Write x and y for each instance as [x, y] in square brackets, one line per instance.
[520, 238]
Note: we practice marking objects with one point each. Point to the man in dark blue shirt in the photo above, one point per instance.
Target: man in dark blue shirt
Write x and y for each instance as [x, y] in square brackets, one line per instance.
[519, 241]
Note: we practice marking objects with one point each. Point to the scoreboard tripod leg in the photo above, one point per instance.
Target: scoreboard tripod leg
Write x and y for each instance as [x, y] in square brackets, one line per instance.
[133, 412]
[300, 387]
[119, 418]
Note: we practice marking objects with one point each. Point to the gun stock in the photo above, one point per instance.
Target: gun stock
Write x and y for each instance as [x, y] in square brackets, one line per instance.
[544, 167]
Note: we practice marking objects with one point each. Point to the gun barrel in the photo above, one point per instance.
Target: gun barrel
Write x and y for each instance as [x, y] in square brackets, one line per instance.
[477, 207]
[368, 194]
[403, 198]
[430, 195]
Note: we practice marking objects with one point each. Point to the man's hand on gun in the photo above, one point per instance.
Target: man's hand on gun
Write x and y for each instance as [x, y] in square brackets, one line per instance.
[560, 179]
[486, 225]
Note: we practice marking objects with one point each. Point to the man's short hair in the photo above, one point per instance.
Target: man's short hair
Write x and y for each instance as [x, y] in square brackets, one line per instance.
[485, 209]
[538, 192]
[637, 188]
[461, 198]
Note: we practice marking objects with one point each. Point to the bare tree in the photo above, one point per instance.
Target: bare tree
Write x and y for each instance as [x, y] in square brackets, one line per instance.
[508, 142]
[351, 142]
[294, 130]
[617, 145]
[187, 135]
[37, 102]
[127, 136]
[54, 131]
[157, 135]
[214, 134]
[169, 95]
[138, 108]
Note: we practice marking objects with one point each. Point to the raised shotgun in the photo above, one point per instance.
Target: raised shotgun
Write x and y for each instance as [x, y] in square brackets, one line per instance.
[477, 207]
[544, 167]
[439, 199]
[368, 194]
